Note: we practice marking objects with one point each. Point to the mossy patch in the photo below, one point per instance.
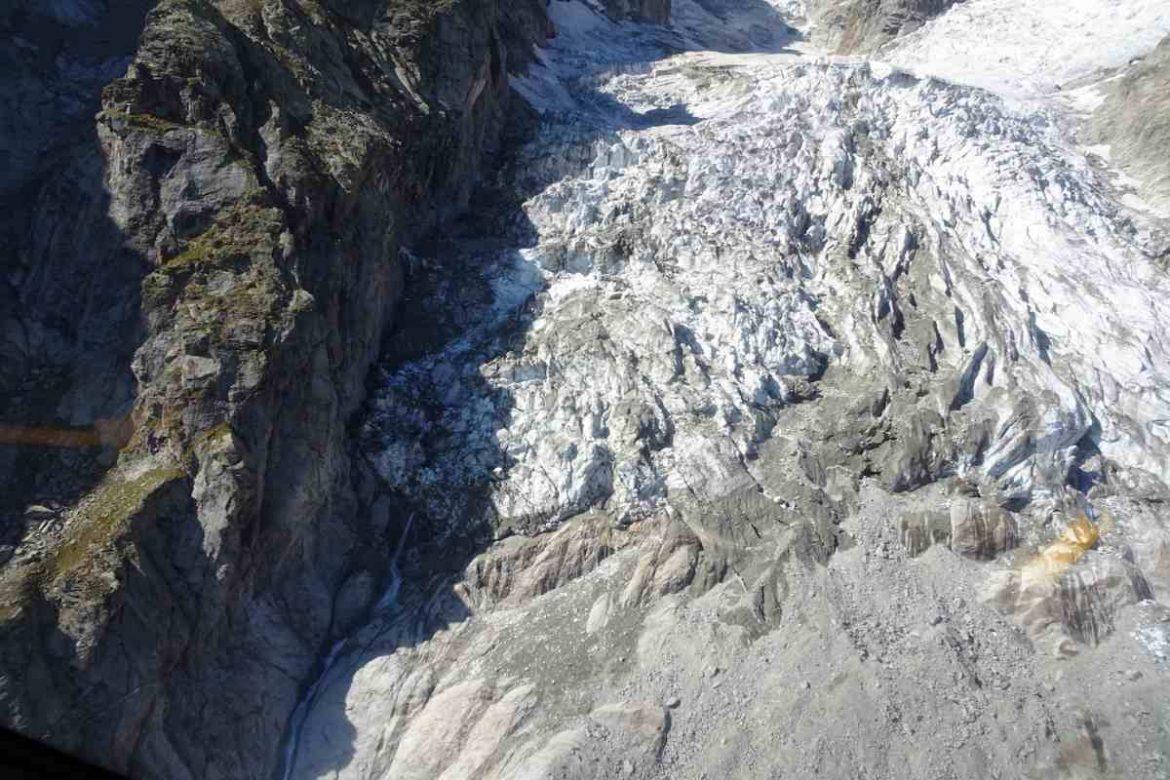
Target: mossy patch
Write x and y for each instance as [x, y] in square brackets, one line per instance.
[216, 438]
[214, 435]
[100, 521]
[237, 232]
[140, 121]
[83, 564]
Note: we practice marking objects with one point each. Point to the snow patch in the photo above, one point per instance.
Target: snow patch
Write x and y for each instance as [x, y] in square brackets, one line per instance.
[1028, 50]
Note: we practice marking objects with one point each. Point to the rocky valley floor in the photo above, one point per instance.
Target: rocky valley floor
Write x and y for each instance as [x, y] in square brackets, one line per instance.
[779, 414]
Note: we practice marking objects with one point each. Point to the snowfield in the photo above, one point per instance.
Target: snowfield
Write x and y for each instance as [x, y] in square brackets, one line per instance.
[1032, 50]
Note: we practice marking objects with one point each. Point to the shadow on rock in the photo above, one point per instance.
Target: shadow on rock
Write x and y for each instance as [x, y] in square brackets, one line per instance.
[69, 301]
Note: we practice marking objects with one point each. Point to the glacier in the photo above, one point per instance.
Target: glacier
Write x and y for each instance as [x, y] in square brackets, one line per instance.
[737, 303]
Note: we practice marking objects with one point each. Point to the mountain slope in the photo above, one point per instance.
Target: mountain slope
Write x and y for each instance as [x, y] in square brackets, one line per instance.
[208, 298]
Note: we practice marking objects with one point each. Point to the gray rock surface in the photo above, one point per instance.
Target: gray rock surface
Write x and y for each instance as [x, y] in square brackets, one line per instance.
[1134, 120]
[864, 25]
[217, 252]
[655, 11]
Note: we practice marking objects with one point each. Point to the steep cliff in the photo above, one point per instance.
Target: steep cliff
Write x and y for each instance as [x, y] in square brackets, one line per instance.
[218, 255]
[864, 25]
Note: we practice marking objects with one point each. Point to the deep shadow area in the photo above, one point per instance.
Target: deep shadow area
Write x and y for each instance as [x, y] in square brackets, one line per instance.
[24, 759]
[72, 330]
[44, 695]
[69, 314]
[446, 310]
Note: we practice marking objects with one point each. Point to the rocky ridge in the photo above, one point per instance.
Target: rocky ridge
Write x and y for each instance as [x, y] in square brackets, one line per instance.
[1134, 121]
[247, 184]
[864, 25]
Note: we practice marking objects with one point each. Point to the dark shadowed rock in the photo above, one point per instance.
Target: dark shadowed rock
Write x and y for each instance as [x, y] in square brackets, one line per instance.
[231, 219]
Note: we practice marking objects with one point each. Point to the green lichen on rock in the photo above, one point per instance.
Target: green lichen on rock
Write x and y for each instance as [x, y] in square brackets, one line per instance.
[237, 232]
[214, 436]
[226, 294]
[99, 522]
[82, 564]
[140, 121]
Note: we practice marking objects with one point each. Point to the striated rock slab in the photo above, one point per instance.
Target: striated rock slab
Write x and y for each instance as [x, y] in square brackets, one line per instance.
[1133, 121]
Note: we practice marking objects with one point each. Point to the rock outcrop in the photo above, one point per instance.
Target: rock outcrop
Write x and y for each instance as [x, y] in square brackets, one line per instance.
[232, 220]
[654, 11]
[1134, 120]
[69, 308]
[864, 25]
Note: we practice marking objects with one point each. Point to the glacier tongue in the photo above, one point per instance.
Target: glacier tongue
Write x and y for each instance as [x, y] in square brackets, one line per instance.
[735, 226]
[757, 307]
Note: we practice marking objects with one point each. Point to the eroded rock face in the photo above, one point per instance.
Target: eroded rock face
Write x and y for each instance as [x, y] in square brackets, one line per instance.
[244, 189]
[1134, 120]
[69, 304]
[656, 11]
[864, 25]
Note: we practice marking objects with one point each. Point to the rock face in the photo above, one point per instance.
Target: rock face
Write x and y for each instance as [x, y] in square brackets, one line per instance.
[232, 220]
[864, 25]
[69, 304]
[656, 11]
[1135, 120]
[764, 412]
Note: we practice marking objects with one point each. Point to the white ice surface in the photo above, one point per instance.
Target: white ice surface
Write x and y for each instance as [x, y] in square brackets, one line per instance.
[738, 179]
[1031, 48]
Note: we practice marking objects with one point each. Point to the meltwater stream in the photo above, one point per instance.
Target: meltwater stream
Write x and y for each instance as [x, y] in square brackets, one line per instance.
[385, 604]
